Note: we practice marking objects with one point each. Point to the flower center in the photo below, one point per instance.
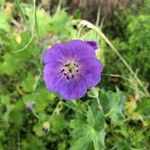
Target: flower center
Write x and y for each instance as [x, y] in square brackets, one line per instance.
[70, 69]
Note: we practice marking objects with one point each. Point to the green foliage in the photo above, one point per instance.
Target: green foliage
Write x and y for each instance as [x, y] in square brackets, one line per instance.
[60, 22]
[88, 132]
[15, 62]
[138, 44]
[32, 117]
[143, 107]
[28, 82]
[57, 123]
[33, 142]
[134, 42]
[16, 117]
[4, 21]
[113, 105]
[42, 19]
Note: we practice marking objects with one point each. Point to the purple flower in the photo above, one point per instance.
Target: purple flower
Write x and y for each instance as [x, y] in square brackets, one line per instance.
[71, 68]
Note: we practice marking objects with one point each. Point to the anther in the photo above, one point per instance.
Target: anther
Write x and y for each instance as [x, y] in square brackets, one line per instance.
[70, 70]
[76, 65]
[67, 64]
[62, 70]
[72, 76]
[68, 78]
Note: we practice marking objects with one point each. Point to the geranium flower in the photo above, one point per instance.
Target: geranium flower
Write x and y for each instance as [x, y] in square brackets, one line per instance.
[71, 68]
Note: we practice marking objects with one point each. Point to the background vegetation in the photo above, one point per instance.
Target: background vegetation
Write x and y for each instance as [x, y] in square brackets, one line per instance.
[115, 115]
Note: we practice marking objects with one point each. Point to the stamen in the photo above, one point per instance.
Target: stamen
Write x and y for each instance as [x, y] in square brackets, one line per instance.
[62, 70]
[68, 78]
[76, 65]
[67, 64]
[70, 70]
[72, 76]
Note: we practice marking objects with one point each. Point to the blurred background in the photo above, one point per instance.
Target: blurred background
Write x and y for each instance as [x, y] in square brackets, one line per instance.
[114, 115]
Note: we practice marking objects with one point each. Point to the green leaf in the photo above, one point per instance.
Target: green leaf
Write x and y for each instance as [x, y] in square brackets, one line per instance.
[60, 24]
[32, 142]
[113, 105]
[28, 83]
[62, 145]
[42, 98]
[95, 118]
[89, 133]
[38, 129]
[4, 21]
[14, 62]
[43, 20]
[57, 123]
[143, 107]
[16, 117]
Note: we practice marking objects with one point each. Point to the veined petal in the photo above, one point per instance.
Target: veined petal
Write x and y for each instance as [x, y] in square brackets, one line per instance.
[73, 89]
[59, 52]
[52, 76]
[81, 49]
[91, 69]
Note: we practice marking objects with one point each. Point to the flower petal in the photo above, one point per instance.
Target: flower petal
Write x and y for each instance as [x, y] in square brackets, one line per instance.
[73, 89]
[59, 52]
[52, 75]
[91, 69]
[93, 44]
[81, 49]
[76, 49]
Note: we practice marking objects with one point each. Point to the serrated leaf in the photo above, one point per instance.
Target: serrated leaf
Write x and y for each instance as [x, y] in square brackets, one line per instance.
[89, 133]
[42, 99]
[16, 117]
[113, 104]
[28, 83]
[43, 20]
[60, 24]
[57, 123]
[95, 118]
